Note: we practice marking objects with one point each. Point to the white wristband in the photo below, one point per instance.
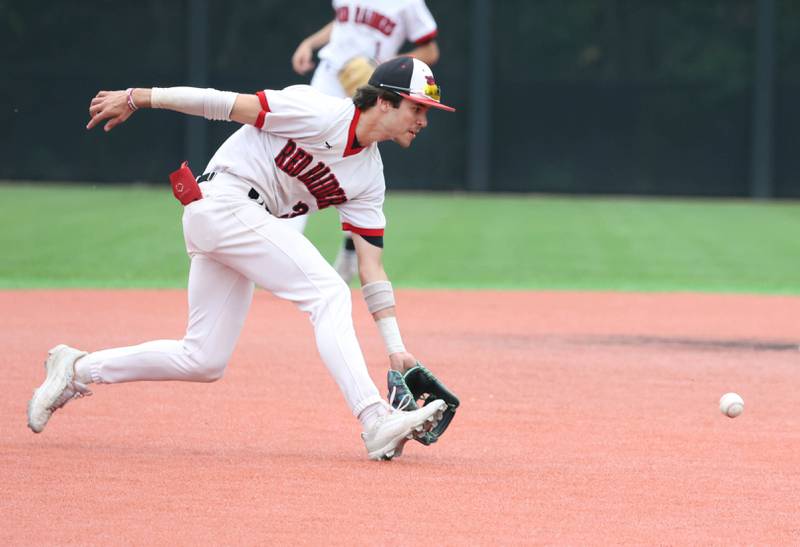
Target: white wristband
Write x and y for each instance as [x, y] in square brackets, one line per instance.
[210, 103]
[378, 295]
[391, 334]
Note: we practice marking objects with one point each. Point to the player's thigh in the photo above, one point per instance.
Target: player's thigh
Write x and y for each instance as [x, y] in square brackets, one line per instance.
[219, 299]
[282, 260]
[298, 224]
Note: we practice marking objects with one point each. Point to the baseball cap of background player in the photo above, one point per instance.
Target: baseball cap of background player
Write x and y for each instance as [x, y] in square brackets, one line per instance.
[410, 78]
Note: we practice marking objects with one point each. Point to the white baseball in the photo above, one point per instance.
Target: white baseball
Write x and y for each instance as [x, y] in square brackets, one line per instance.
[731, 404]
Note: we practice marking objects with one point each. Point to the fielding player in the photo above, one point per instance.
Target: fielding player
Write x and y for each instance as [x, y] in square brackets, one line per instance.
[362, 34]
[298, 151]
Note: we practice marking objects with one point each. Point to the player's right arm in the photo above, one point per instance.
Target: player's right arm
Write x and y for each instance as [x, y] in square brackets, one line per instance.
[118, 106]
[302, 60]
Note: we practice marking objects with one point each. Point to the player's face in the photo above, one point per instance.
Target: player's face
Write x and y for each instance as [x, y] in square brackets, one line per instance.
[406, 121]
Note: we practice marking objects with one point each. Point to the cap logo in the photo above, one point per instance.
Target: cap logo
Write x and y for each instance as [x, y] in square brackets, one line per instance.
[432, 90]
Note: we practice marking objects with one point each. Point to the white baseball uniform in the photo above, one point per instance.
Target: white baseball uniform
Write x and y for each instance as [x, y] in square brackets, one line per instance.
[372, 28]
[300, 157]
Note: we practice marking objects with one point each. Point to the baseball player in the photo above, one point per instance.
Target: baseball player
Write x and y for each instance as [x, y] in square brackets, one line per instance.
[362, 34]
[297, 151]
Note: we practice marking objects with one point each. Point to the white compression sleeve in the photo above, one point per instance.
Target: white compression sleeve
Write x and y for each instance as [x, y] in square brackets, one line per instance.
[391, 334]
[210, 103]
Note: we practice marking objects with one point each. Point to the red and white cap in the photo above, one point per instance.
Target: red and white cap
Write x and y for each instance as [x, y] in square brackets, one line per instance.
[410, 78]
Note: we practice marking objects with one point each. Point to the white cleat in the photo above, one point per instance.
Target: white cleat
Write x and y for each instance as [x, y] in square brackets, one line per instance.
[386, 438]
[346, 264]
[419, 432]
[58, 388]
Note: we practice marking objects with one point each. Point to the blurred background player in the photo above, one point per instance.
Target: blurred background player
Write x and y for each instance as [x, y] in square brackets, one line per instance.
[362, 35]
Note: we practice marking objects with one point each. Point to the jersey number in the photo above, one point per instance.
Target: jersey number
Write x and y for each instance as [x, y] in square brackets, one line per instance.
[300, 208]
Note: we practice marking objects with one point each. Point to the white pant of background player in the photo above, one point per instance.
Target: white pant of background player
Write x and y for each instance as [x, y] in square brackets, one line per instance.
[234, 244]
[325, 79]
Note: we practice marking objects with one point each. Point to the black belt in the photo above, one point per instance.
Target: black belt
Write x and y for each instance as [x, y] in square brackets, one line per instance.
[206, 176]
[252, 194]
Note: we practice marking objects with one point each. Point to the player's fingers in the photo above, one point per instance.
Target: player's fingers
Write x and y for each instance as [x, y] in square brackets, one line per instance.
[116, 120]
[302, 60]
[96, 119]
[98, 115]
[298, 64]
[304, 67]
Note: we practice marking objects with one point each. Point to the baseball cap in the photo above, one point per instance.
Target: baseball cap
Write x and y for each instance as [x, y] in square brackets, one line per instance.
[411, 79]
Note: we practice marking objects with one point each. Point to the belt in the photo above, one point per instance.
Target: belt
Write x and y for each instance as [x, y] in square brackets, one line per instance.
[252, 194]
[206, 176]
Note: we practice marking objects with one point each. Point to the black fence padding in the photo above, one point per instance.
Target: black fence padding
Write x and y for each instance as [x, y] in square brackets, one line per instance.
[587, 96]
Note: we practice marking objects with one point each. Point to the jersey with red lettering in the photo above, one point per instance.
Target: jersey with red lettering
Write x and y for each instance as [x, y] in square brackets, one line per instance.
[376, 29]
[302, 155]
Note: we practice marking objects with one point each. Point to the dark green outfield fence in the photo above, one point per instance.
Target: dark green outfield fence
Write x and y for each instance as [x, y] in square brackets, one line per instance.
[657, 97]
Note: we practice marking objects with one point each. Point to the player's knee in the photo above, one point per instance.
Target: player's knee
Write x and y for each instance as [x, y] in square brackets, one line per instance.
[213, 373]
[206, 368]
[336, 292]
[333, 297]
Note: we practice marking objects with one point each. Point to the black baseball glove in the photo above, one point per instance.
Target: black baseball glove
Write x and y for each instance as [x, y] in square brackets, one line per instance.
[419, 386]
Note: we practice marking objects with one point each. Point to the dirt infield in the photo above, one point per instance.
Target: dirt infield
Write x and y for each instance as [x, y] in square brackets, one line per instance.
[586, 419]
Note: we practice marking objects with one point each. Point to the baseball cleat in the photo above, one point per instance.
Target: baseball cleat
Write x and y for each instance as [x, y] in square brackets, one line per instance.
[58, 388]
[386, 438]
[421, 431]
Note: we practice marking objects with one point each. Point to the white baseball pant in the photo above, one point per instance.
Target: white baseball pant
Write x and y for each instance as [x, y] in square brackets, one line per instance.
[326, 80]
[233, 244]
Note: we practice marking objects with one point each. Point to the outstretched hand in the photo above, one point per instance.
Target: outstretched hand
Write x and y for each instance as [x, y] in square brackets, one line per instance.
[111, 106]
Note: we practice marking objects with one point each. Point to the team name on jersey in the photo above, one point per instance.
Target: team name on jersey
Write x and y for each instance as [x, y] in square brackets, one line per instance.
[364, 16]
[319, 180]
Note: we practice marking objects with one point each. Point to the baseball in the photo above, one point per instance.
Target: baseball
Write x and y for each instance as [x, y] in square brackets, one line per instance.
[731, 404]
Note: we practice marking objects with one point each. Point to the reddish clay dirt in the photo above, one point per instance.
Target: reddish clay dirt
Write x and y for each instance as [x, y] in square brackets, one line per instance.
[586, 419]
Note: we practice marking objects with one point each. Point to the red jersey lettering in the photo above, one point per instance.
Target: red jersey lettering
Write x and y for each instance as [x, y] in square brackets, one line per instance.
[319, 180]
[374, 19]
[285, 153]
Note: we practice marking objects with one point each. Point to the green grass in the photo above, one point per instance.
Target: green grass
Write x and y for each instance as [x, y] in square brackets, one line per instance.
[82, 236]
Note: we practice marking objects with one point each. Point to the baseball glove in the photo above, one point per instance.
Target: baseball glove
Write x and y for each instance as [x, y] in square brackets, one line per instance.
[419, 384]
[355, 73]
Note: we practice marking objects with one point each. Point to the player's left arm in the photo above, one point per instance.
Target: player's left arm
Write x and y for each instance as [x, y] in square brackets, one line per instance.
[378, 293]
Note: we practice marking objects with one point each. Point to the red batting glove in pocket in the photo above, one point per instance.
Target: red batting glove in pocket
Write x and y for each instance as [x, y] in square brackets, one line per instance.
[184, 185]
